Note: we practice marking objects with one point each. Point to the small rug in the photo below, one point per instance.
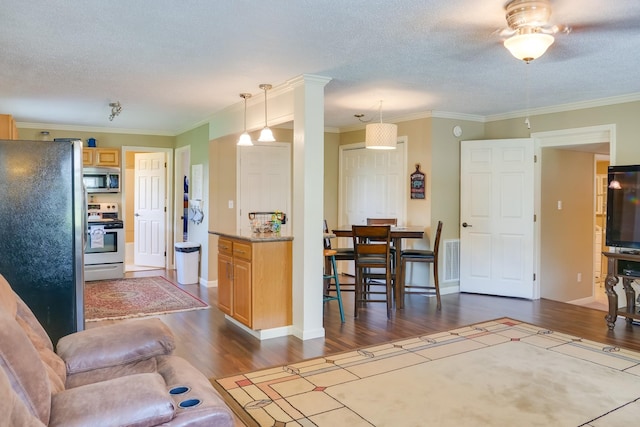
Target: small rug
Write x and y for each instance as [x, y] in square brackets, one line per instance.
[136, 297]
[497, 373]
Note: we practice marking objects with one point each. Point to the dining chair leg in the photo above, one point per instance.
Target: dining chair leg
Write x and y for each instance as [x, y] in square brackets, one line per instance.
[357, 294]
[338, 293]
[332, 274]
[400, 285]
[436, 283]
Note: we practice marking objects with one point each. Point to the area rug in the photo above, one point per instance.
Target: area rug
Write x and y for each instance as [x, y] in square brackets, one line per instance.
[136, 297]
[496, 373]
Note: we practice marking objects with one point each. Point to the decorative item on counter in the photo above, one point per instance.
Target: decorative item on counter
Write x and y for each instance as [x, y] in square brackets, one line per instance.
[276, 221]
[267, 222]
[91, 142]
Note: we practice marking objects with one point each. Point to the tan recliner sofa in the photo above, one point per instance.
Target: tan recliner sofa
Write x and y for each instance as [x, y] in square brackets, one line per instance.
[116, 375]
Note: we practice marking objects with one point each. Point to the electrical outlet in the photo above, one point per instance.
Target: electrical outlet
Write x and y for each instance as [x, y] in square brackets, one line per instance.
[579, 277]
[559, 205]
[230, 204]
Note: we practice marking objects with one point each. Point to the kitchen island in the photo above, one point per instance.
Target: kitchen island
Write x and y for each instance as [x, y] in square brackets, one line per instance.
[254, 282]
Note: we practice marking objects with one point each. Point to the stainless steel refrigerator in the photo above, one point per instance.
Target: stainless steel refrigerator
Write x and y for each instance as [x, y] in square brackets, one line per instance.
[42, 216]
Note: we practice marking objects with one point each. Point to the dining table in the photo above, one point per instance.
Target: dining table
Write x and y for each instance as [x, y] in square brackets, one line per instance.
[398, 233]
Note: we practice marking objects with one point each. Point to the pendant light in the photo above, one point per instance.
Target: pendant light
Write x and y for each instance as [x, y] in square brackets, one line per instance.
[266, 135]
[245, 138]
[381, 136]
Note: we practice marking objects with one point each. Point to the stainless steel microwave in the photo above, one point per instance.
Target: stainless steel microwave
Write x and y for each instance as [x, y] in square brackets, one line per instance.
[101, 180]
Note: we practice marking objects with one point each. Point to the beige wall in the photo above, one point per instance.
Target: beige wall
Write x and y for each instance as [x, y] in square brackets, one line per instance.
[566, 235]
[430, 143]
[331, 177]
[624, 116]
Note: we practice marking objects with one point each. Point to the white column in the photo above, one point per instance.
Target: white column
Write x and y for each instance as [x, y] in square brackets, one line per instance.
[308, 205]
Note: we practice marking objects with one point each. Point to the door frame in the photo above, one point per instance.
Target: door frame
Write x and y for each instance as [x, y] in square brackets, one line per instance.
[361, 145]
[168, 227]
[558, 139]
[182, 156]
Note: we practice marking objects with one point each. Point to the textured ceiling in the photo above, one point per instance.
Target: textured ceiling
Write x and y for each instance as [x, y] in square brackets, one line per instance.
[173, 64]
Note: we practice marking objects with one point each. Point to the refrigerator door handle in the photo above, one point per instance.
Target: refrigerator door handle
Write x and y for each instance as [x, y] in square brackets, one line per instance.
[85, 221]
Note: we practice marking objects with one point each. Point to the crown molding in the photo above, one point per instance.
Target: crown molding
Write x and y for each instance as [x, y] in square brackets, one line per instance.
[52, 126]
[560, 108]
[417, 116]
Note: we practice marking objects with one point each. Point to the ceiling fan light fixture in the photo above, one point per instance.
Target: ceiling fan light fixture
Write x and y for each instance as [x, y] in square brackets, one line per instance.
[245, 138]
[266, 135]
[529, 46]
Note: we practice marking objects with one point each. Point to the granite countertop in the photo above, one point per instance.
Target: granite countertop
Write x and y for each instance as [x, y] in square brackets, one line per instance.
[256, 237]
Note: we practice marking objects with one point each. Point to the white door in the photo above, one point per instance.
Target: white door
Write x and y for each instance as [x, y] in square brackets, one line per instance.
[149, 209]
[497, 217]
[373, 183]
[265, 182]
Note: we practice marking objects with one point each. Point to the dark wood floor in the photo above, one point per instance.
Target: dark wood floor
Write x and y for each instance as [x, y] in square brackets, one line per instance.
[218, 348]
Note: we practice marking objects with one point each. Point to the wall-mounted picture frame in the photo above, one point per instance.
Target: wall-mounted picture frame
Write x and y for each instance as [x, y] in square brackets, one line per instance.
[418, 183]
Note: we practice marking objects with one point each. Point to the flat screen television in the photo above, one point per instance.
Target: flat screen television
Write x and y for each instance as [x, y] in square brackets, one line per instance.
[623, 207]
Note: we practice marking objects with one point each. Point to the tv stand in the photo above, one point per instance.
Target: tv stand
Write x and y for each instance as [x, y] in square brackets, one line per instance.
[623, 265]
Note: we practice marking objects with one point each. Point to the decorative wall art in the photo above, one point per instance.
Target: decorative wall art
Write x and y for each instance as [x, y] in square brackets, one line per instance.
[418, 182]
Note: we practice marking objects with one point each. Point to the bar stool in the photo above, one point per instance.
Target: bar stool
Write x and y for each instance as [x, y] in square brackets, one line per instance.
[330, 254]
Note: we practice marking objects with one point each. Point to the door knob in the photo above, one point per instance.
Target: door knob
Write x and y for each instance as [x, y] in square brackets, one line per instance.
[465, 225]
[136, 214]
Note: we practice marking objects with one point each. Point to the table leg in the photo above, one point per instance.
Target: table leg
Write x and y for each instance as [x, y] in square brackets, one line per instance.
[397, 243]
[612, 296]
[630, 293]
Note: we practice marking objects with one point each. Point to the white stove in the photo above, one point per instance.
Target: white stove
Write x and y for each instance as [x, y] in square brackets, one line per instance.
[104, 249]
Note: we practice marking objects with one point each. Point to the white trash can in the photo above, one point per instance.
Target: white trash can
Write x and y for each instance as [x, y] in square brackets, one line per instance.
[187, 262]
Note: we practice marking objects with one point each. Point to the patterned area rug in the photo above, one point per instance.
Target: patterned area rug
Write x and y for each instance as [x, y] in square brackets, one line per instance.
[136, 297]
[497, 373]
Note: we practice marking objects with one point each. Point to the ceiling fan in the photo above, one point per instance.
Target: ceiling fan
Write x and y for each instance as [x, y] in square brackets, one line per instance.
[529, 33]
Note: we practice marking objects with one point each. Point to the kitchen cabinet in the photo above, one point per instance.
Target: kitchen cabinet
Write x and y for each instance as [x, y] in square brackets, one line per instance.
[225, 273]
[8, 129]
[100, 157]
[254, 281]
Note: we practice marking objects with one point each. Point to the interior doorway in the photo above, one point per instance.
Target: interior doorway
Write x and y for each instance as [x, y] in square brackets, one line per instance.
[128, 204]
[561, 272]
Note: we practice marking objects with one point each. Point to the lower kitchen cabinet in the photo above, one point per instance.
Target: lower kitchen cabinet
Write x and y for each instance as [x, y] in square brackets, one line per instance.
[254, 281]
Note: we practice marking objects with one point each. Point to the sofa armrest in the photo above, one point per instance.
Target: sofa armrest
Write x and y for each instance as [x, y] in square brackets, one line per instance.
[114, 345]
[135, 400]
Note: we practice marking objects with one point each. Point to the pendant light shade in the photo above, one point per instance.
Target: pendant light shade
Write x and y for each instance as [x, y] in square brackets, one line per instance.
[266, 135]
[381, 136]
[245, 138]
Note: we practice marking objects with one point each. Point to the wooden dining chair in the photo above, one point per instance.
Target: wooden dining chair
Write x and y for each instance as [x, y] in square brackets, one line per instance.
[426, 256]
[371, 244]
[392, 222]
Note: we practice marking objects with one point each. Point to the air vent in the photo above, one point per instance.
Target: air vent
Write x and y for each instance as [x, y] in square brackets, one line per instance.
[451, 260]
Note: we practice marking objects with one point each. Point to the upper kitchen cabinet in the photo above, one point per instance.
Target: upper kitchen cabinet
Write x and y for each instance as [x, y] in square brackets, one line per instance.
[8, 129]
[100, 157]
